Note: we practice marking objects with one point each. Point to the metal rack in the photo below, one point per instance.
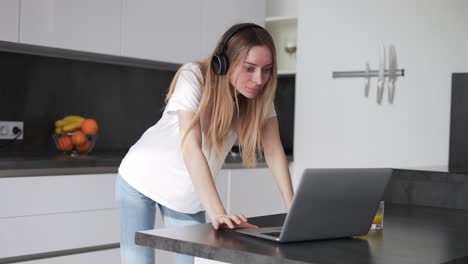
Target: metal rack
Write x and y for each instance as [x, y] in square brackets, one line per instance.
[391, 74]
[365, 74]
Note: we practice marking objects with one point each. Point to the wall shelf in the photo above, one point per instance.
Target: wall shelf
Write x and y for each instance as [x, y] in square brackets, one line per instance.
[282, 72]
[283, 29]
[278, 19]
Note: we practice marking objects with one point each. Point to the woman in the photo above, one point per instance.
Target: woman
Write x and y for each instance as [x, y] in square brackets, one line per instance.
[210, 105]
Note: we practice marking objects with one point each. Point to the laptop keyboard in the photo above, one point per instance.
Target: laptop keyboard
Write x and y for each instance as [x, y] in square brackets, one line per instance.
[275, 234]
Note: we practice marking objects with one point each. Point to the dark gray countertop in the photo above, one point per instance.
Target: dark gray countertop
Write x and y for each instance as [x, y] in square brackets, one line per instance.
[412, 234]
[42, 164]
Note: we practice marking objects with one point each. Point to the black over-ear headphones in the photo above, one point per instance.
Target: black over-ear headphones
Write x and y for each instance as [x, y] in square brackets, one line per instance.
[220, 61]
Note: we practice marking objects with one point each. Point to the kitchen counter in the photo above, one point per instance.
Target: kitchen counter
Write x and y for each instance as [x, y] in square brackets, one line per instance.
[411, 234]
[41, 164]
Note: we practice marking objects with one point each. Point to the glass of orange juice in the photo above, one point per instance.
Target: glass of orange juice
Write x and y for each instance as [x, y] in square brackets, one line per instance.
[377, 223]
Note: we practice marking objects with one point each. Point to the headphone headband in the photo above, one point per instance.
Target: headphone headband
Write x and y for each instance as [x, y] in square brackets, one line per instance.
[220, 62]
[231, 32]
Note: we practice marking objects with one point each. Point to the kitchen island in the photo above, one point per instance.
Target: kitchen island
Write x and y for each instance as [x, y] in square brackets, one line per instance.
[411, 234]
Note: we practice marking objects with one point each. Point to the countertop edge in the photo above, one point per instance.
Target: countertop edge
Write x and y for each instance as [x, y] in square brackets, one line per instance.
[13, 173]
[208, 251]
[37, 172]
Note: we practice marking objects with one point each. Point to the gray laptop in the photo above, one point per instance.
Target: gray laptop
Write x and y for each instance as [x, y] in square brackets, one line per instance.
[330, 203]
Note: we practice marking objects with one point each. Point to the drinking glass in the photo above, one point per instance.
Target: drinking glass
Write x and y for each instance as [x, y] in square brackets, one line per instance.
[377, 223]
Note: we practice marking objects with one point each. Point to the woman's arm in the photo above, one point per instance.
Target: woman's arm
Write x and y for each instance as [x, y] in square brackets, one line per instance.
[276, 159]
[200, 173]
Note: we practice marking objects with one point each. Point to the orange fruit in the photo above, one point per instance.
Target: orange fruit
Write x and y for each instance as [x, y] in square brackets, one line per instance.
[78, 138]
[84, 147]
[89, 126]
[65, 143]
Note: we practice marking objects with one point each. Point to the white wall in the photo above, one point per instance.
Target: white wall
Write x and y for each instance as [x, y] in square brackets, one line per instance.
[9, 20]
[281, 8]
[336, 126]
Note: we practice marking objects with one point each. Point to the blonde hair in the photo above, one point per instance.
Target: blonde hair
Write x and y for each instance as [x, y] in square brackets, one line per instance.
[222, 109]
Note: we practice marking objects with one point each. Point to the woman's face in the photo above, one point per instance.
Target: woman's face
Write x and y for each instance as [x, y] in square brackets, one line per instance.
[250, 77]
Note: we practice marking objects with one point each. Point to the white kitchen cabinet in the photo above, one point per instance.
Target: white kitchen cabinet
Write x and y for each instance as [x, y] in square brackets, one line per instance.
[9, 20]
[161, 30]
[29, 196]
[24, 235]
[50, 213]
[84, 25]
[217, 16]
[254, 192]
[175, 31]
[222, 185]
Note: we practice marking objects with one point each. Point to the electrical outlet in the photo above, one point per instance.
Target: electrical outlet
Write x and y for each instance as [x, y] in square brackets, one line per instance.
[7, 129]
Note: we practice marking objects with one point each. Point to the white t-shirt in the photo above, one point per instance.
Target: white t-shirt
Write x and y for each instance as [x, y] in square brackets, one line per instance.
[154, 164]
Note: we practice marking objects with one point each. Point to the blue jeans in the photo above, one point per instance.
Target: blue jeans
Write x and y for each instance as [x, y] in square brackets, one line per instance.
[137, 212]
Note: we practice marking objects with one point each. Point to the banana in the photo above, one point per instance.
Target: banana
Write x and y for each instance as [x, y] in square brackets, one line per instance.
[68, 123]
[68, 120]
[61, 123]
[73, 118]
[71, 126]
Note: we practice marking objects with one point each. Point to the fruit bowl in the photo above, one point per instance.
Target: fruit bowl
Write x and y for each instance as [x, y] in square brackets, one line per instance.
[75, 143]
[75, 135]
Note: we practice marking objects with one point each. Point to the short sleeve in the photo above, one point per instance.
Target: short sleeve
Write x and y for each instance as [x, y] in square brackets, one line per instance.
[272, 112]
[187, 90]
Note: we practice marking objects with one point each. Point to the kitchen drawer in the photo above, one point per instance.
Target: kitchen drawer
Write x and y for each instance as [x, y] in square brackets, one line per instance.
[254, 192]
[52, 232]
[28, 196]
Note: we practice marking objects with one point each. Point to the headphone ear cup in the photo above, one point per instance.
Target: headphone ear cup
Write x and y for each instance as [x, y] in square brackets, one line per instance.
[220, 64]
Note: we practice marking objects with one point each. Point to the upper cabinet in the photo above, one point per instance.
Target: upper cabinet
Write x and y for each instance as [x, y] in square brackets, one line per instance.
[217, 16]
[9, 20]
[161, 30]
[84, 25]
[176, 31]
[164, 31]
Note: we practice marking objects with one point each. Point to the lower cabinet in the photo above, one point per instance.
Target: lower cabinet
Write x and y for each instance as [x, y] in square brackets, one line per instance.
[53, 213]
[55, 232]
[253, 192]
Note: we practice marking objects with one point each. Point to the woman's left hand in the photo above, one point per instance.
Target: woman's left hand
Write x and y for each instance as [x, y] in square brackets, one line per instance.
[233, 221]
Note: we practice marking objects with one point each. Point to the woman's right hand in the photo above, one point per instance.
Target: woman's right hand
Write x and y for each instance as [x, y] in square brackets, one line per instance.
[233, 221]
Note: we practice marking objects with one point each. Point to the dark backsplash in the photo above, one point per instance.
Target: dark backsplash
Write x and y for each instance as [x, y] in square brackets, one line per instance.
[125, 100]
[39, 90]
[284, 103]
